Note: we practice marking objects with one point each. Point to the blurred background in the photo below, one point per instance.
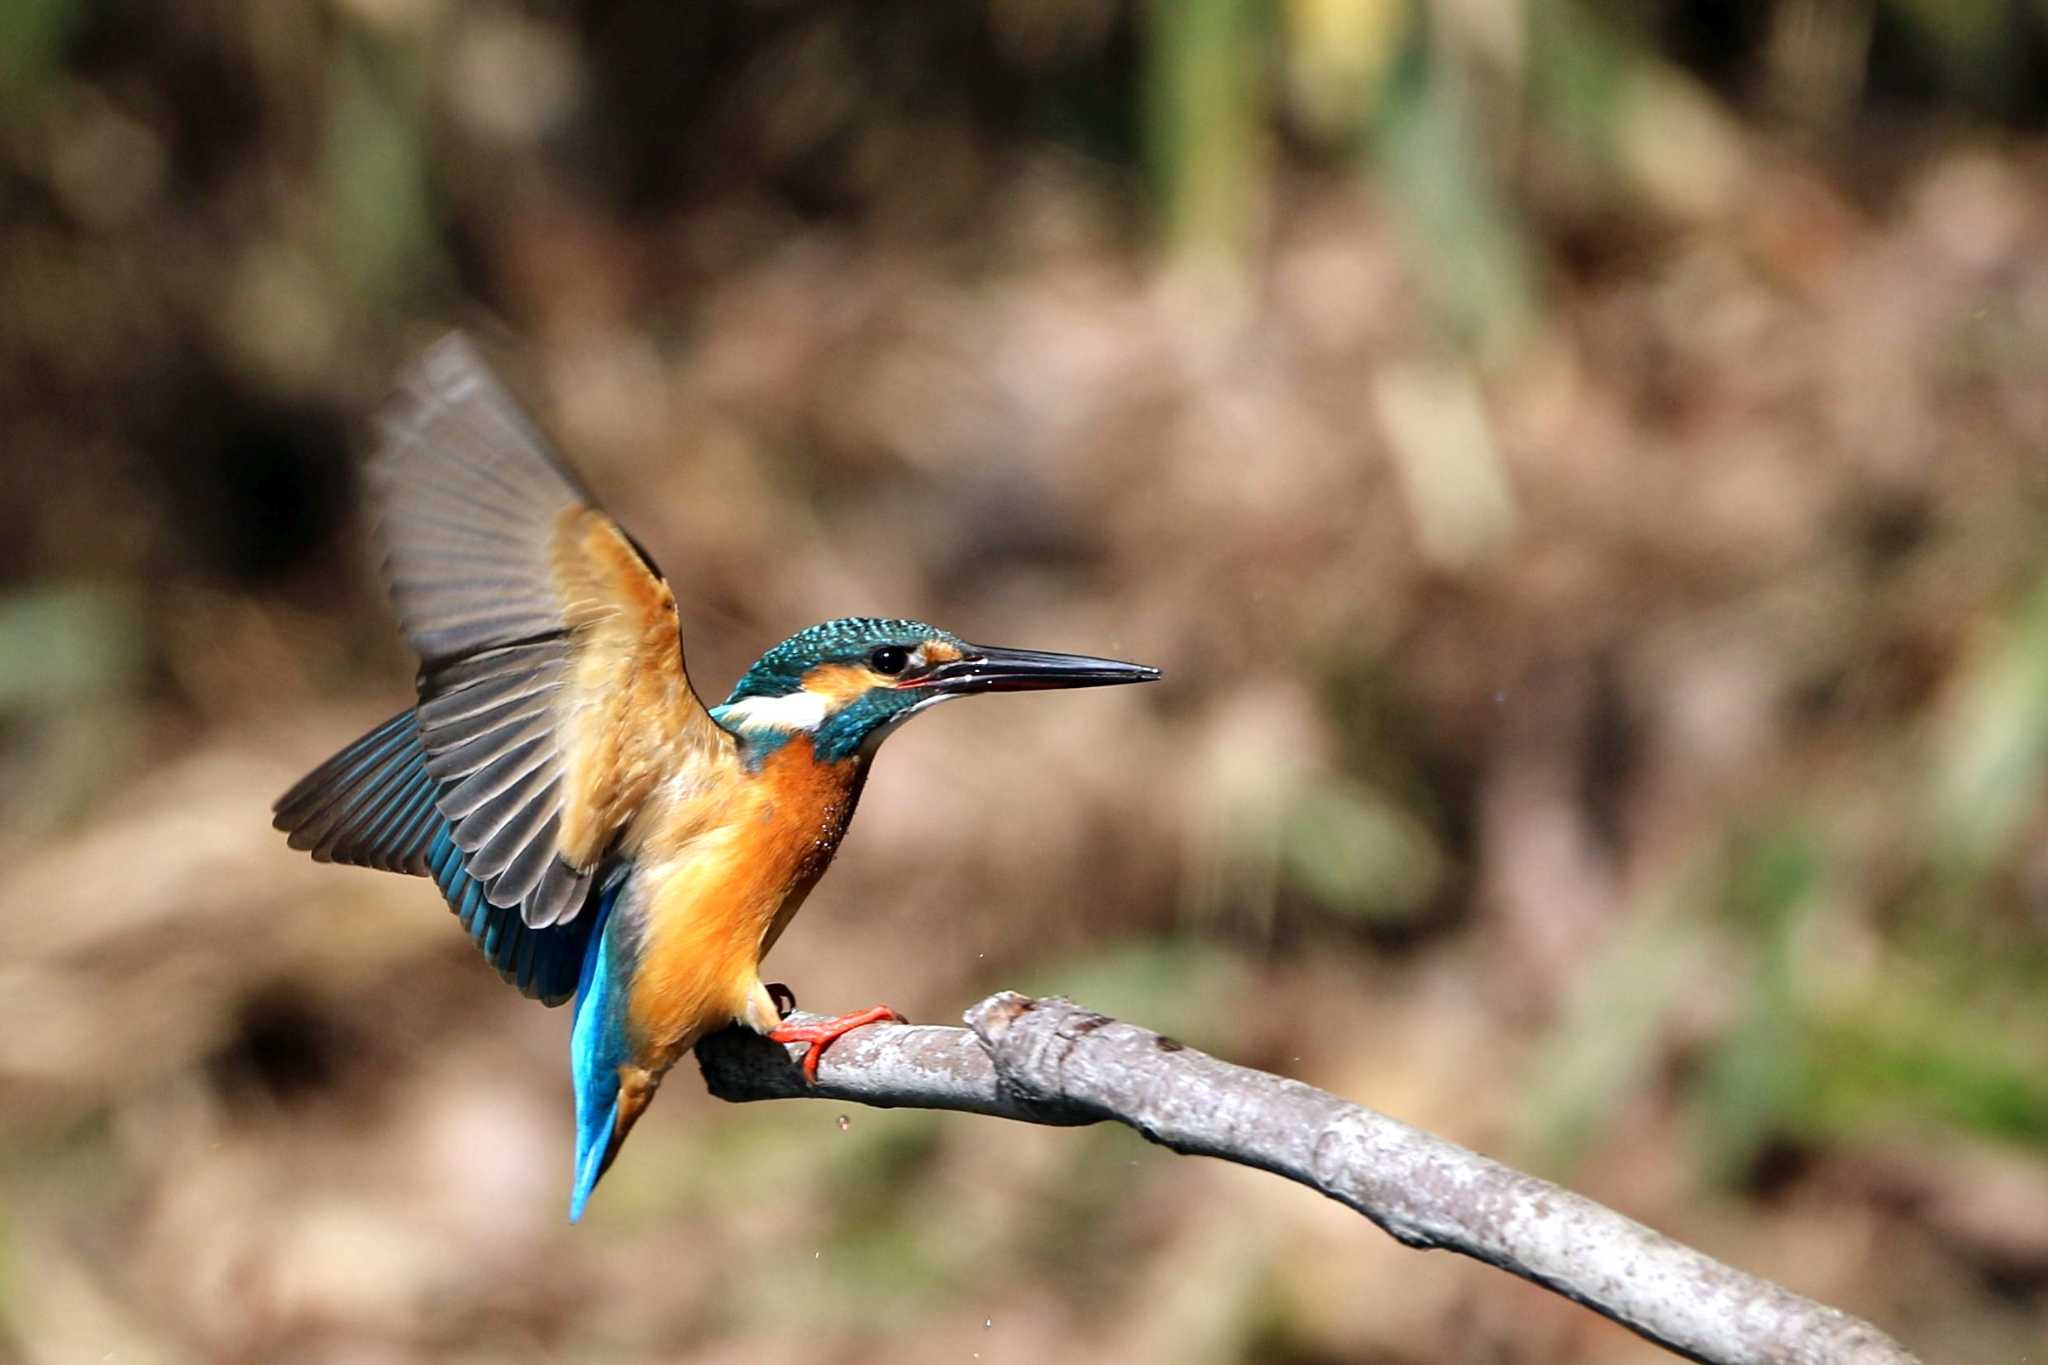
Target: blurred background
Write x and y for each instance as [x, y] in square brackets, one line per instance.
[1579, 463]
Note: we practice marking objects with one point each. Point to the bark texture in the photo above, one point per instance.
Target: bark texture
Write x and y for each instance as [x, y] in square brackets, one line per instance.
[1049, 1061]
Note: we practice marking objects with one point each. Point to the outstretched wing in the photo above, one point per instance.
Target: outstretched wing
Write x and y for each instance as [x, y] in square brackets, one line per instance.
[552, 690]
[372, 805]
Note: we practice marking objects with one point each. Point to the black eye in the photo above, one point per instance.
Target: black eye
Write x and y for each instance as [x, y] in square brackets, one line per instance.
[889, 660]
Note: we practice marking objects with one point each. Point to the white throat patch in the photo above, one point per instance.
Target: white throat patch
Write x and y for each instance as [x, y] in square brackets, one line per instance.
[800, 711]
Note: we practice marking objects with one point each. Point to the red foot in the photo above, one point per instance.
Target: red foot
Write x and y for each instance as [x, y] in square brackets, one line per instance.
[822, 1036]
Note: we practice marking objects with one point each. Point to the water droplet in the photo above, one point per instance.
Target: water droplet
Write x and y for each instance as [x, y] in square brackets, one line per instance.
[987, 1323]
[844, 1123]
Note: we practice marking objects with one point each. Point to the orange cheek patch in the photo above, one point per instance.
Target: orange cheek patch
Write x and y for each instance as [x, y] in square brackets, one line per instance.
[839, 684]
[940, 652]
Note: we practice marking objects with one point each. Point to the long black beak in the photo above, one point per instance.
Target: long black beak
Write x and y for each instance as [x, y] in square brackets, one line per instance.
[987, 669]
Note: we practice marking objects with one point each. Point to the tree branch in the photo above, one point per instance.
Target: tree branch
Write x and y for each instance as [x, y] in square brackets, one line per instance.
[1049, 1061]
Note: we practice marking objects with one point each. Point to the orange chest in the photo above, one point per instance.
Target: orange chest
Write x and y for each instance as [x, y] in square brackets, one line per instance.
[723, 878]
[798, 813]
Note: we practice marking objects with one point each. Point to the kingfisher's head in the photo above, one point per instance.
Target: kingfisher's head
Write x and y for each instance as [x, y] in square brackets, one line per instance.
[847, 683]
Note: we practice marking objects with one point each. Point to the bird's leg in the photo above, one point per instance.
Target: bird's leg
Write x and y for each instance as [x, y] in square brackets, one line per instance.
[822, 1036]
[784, 998]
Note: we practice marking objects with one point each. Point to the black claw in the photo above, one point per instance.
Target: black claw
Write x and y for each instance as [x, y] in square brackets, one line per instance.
[784, 998]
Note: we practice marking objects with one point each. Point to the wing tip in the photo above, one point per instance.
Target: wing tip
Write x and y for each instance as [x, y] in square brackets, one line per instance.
[448, 369]
[366, 806]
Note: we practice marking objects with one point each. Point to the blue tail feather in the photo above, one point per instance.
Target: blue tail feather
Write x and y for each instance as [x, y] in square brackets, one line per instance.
[598, 1047]
[591, 1145]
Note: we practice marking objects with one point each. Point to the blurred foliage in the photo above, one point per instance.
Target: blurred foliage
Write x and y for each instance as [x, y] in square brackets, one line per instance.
[33, 35]
[1578, 463]
[65, 646]
[1762, 1073]
[1994, 756]
[1203, 106]
[1359, 853]
[71, 664]
[1434, 158]
[377, 171]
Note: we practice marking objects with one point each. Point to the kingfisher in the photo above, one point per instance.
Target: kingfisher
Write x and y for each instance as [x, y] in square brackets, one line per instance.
[605, 837]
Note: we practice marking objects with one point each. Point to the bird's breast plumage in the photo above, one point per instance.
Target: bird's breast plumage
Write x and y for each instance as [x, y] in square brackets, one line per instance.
[725, 862]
